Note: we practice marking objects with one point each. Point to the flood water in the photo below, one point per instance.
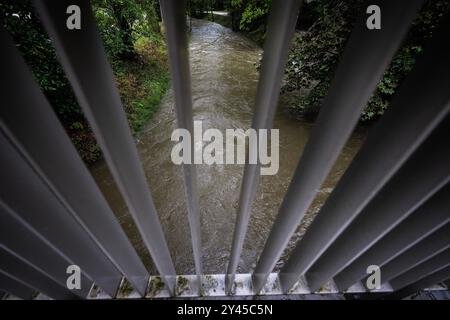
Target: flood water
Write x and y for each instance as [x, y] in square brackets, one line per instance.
[224, 80]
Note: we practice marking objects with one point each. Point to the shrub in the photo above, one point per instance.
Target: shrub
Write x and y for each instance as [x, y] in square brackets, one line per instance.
[314, 55]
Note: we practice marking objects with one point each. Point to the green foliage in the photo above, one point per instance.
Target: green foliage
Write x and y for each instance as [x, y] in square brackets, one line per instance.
[249, 16]
[122, 21]
[145, 108]
[314, 54]
[142, 84]
[254, 14]
[23, 25]
[135, 48]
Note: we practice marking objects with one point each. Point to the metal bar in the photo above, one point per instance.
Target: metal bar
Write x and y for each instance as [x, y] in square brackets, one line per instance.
[18, 269]
[213, 285]
[281, 27]
[29, 121]
[429, 247]
[83, 58]
[447, 283]
[424, 269]
[427, 281]
[21, 239]
[44, 213]
[424, 174]
[431, 216]
[363, 62]
[173, 13]
[398, 134]
[16, 288]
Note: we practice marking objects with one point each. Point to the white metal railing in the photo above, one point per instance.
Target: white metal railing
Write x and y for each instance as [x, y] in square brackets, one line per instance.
[391, 208]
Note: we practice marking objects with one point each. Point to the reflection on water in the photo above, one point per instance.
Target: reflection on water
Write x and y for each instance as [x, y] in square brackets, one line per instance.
[224, 82]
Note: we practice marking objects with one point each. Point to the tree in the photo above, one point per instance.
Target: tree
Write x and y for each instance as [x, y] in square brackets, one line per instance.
[121, 23]
[121, 14]
[249, 16]
[128, 18]
[23, 24]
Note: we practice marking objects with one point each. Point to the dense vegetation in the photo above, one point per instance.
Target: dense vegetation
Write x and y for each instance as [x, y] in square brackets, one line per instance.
[130, 30]
[315, 53]
[322, 31]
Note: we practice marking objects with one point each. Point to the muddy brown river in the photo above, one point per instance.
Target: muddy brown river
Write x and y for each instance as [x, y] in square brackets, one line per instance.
[224, 80]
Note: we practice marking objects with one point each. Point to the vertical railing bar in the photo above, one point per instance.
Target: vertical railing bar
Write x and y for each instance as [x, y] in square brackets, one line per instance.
[82, 56]
[366, 56]
[51, 273]
[20, 238]
[413, 230]
[394, 203]
[19, 269]
[15, 287]
[447, 283]
[422, 251]
[427, 267]
[45, 214]
[173, 13]
[436, 277]
[281, 27]
[30, 123]
[398, 134]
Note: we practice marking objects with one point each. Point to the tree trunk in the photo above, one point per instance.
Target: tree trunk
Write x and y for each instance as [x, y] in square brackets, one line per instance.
[128, 52]
[211, 9]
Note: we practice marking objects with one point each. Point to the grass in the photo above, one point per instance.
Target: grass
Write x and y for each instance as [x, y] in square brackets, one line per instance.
[141, 89]
[142, 83]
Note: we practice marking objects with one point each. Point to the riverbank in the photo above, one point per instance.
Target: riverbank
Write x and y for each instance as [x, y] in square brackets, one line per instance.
[143, 83]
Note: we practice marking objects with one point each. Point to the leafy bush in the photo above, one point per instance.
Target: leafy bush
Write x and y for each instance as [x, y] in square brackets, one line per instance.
[314, 54]
[121, 22]
[254, 14]
[250, 17]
